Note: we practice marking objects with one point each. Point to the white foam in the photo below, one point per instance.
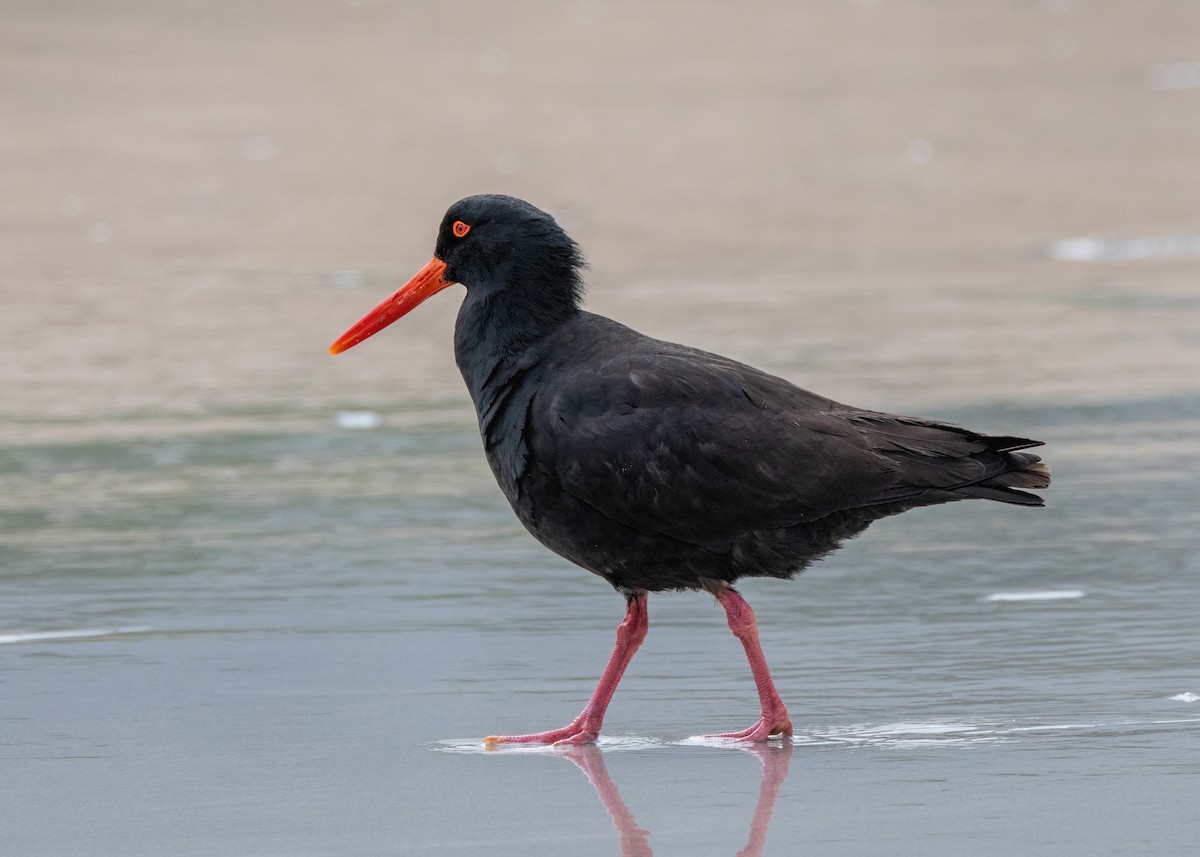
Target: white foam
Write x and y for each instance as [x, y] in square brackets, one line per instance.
[1186, 696]
[75, 634]
[920, 729]
[358, 419]
[1042, 595]
[892, 735]
[1097, 249]
[900, 735]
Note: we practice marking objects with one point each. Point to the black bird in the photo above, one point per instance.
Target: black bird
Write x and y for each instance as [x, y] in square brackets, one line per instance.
[662, 467]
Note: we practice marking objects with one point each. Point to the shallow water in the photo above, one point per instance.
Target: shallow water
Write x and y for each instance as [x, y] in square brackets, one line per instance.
[294, 642]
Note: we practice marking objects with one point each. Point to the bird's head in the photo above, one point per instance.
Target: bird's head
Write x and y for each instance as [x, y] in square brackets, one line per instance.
[491, 244]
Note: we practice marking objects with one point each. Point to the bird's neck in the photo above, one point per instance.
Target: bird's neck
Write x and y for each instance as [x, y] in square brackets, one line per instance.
[499, 336]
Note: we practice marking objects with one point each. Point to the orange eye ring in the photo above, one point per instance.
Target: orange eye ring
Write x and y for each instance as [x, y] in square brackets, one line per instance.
[460, 229]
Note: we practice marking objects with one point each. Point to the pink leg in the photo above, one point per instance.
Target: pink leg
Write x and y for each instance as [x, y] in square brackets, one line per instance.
[774, 718]
[586, 727]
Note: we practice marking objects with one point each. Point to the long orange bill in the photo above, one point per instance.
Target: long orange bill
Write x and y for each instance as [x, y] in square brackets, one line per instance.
[428, 282]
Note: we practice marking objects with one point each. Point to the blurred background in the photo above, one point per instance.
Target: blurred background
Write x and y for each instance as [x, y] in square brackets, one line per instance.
[986, 212]
[196, 196]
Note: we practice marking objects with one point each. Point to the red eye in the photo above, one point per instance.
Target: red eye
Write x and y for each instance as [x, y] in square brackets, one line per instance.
[460, 229]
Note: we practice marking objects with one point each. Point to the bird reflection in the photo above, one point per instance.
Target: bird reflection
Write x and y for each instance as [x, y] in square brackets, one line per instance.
[635, 840]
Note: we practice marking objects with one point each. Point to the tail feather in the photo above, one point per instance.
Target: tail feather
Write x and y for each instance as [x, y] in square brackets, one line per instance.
[1029, 472]
[1035, 474]
[939, 463]
[1006, 443]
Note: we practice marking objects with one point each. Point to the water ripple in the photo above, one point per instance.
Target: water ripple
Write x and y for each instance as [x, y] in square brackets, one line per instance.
[890, 735]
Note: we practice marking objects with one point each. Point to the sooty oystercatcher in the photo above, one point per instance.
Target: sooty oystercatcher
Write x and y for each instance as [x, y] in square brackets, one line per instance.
[662, 467]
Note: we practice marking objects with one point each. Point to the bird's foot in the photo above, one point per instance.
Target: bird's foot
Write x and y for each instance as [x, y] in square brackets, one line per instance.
[582, 730]
[771, 723]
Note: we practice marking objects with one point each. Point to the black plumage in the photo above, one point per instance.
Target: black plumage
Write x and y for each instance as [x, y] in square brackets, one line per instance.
[659, 466]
